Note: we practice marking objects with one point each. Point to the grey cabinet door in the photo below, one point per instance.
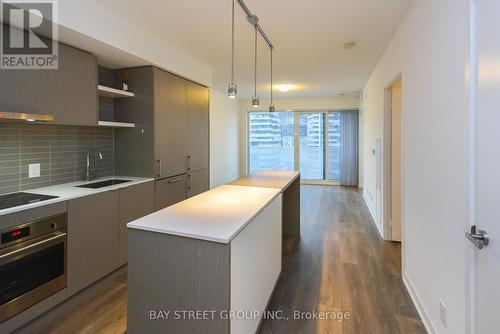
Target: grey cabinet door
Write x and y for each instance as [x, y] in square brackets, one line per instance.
[93, 238]
[135, 202]
[170, 124]
[170, 191]
[197, 126]
[70, 92]
[198, 182]
[21, 91]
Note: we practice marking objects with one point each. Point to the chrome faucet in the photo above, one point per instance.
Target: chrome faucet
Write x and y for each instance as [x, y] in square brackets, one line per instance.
[89, 175]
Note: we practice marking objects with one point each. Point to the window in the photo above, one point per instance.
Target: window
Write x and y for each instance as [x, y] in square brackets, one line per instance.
[271, 141]
[307, 141]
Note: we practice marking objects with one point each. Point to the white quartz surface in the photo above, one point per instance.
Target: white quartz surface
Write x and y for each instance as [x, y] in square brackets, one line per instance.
[215, 215]
[269, 179]
[69, 191]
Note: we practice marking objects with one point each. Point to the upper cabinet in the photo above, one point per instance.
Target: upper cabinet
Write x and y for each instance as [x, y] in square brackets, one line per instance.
[197, 126]
[69, 93]
[172, 124]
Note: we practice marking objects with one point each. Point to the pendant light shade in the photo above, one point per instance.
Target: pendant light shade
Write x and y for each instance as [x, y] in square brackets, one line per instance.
[255, 98]
[272, 108]
[232, 89]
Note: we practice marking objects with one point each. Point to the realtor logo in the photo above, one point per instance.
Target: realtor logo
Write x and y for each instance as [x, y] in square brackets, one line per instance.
[28, 34]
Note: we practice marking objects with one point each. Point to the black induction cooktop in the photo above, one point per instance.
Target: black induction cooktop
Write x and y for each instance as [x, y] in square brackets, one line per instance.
[21, 198]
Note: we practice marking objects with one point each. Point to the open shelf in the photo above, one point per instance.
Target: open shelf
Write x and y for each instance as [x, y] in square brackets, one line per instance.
[113, 92]
[116, 124]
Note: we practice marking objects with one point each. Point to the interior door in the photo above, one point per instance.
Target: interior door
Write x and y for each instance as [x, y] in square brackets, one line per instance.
[487, 167]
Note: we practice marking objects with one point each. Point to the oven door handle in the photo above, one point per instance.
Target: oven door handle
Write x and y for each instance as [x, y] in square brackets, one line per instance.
[32, 248]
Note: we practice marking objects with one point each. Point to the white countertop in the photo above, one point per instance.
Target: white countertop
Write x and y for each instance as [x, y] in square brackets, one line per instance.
[69, 191]
[216, 215]
[268, 179]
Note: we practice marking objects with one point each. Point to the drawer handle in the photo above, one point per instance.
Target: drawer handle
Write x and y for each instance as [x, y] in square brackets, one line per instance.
[174, 180]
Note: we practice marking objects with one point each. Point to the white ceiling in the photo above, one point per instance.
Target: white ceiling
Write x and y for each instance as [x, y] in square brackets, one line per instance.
[308, 36]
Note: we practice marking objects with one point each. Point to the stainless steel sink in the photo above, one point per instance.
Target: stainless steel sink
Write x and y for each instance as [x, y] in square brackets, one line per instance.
[101, 184]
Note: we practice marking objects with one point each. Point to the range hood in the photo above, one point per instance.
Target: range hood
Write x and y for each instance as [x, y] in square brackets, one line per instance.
[17, 116]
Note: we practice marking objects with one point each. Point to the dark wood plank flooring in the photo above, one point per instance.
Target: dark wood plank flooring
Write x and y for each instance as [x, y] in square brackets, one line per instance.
[340, 264]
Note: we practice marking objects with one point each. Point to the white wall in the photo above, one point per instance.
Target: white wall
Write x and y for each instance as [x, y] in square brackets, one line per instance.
[430, 48]
[312, 103]
[224, 138]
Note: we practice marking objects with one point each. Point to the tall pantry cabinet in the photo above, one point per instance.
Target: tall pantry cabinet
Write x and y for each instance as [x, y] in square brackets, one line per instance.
[170, 141]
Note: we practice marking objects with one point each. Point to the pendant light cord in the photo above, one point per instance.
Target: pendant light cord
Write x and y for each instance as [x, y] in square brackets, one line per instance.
[232, 45]
[255, 81]
[271, 76]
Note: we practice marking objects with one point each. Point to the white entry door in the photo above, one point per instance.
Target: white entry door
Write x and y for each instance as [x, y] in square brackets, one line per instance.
[487, 167]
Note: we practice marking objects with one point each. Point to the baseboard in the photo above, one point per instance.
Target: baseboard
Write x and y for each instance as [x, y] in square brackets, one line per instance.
[379, 228]
[422, 312]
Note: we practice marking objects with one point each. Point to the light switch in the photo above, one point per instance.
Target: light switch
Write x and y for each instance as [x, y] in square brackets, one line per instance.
[34, 170]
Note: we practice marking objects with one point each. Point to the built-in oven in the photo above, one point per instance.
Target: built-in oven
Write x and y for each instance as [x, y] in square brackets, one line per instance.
[32, 263]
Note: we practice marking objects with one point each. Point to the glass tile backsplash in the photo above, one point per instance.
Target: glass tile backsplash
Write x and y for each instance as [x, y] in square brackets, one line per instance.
[60, 150]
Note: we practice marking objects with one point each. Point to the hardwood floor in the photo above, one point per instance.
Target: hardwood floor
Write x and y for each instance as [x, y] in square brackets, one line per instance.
[339, 265]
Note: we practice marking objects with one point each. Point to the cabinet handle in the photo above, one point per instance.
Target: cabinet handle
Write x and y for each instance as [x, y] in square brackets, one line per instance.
[174, 180]
[189, 181]
[189, 162]
[158, 162]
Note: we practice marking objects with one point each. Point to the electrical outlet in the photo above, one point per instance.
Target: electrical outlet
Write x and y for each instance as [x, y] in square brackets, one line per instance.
[442, 312]
[34, 170]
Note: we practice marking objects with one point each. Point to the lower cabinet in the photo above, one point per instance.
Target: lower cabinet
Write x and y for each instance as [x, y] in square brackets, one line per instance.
[135, 202]
[197, 182]
[97, 231]
[93, 233]
[170, 191]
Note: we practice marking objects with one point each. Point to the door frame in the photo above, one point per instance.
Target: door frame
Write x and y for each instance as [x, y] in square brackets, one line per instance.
[387, 165]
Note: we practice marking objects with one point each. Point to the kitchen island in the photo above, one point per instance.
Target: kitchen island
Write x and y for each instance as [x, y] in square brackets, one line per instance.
[204, 263]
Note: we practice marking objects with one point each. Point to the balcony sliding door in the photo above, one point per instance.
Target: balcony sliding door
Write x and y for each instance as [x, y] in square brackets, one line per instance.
[310, 142]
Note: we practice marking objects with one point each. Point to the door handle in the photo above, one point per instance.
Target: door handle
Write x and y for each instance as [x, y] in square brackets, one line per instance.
[478, 237]
[174, 180]
[158, 162]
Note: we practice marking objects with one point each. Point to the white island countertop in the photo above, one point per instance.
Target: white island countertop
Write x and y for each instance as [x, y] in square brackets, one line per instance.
[68, 191]
[216, 215]
[279, 179]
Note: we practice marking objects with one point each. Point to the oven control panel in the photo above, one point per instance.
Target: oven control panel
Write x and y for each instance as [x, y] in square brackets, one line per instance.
[28, 231]
[16, 234]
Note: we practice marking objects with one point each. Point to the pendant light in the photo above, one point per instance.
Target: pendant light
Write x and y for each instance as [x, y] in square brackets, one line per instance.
[255, 98]
[271, 106]
[232, 90]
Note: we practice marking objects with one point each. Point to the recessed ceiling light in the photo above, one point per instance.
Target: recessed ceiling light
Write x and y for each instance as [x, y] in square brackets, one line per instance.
[349, 45]
[284, 88]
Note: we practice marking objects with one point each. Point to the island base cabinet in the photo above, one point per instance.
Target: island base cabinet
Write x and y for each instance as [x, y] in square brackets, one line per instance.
[169, 273]
[93, 247]
[174, 273]
[135, 202]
